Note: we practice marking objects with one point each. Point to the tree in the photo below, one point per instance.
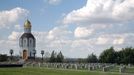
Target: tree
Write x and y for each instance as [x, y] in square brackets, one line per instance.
[92, 58]
[53, 57]
[42, 53]
[60, 57]
[108, 56]
[126, 55]
[3, 57]
[11, 53]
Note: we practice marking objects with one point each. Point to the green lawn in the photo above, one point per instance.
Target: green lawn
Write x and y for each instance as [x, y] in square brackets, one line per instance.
[44, 71]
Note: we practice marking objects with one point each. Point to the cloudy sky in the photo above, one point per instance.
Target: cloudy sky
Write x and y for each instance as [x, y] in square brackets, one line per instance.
[75, 27]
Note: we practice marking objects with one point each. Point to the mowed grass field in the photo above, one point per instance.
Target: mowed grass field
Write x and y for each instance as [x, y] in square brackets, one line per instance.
[44, 71]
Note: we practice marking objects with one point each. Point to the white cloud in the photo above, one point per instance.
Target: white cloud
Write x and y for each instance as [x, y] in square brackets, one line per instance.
[82, 32]
[81, 43]
[102, 11]
[18, 27]
[112, 39]
[124, 10]
[102, 40]
[14, 36]
[58, 33]
[54, 2]
[118, 41]
[10, 43]
[8, 17]
[100, 26]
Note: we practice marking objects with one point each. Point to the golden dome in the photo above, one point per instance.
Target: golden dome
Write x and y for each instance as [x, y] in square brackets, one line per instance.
[27, 24]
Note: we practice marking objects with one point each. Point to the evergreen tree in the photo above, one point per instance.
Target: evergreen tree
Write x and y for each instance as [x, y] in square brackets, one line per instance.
[108, 56]
[126, 55]
[92, 58]
[60, 57]
[53, 57]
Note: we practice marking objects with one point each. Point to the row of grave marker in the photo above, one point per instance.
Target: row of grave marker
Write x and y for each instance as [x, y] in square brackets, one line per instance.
[76, 66]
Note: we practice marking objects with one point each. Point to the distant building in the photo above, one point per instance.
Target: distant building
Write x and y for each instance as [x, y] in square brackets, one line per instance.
[27, 42]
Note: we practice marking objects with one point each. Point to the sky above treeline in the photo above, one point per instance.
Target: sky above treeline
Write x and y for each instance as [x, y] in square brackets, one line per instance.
[74, 27]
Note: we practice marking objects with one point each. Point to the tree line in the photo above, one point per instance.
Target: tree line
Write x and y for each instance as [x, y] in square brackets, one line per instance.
[124, 56]
[110, 55]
